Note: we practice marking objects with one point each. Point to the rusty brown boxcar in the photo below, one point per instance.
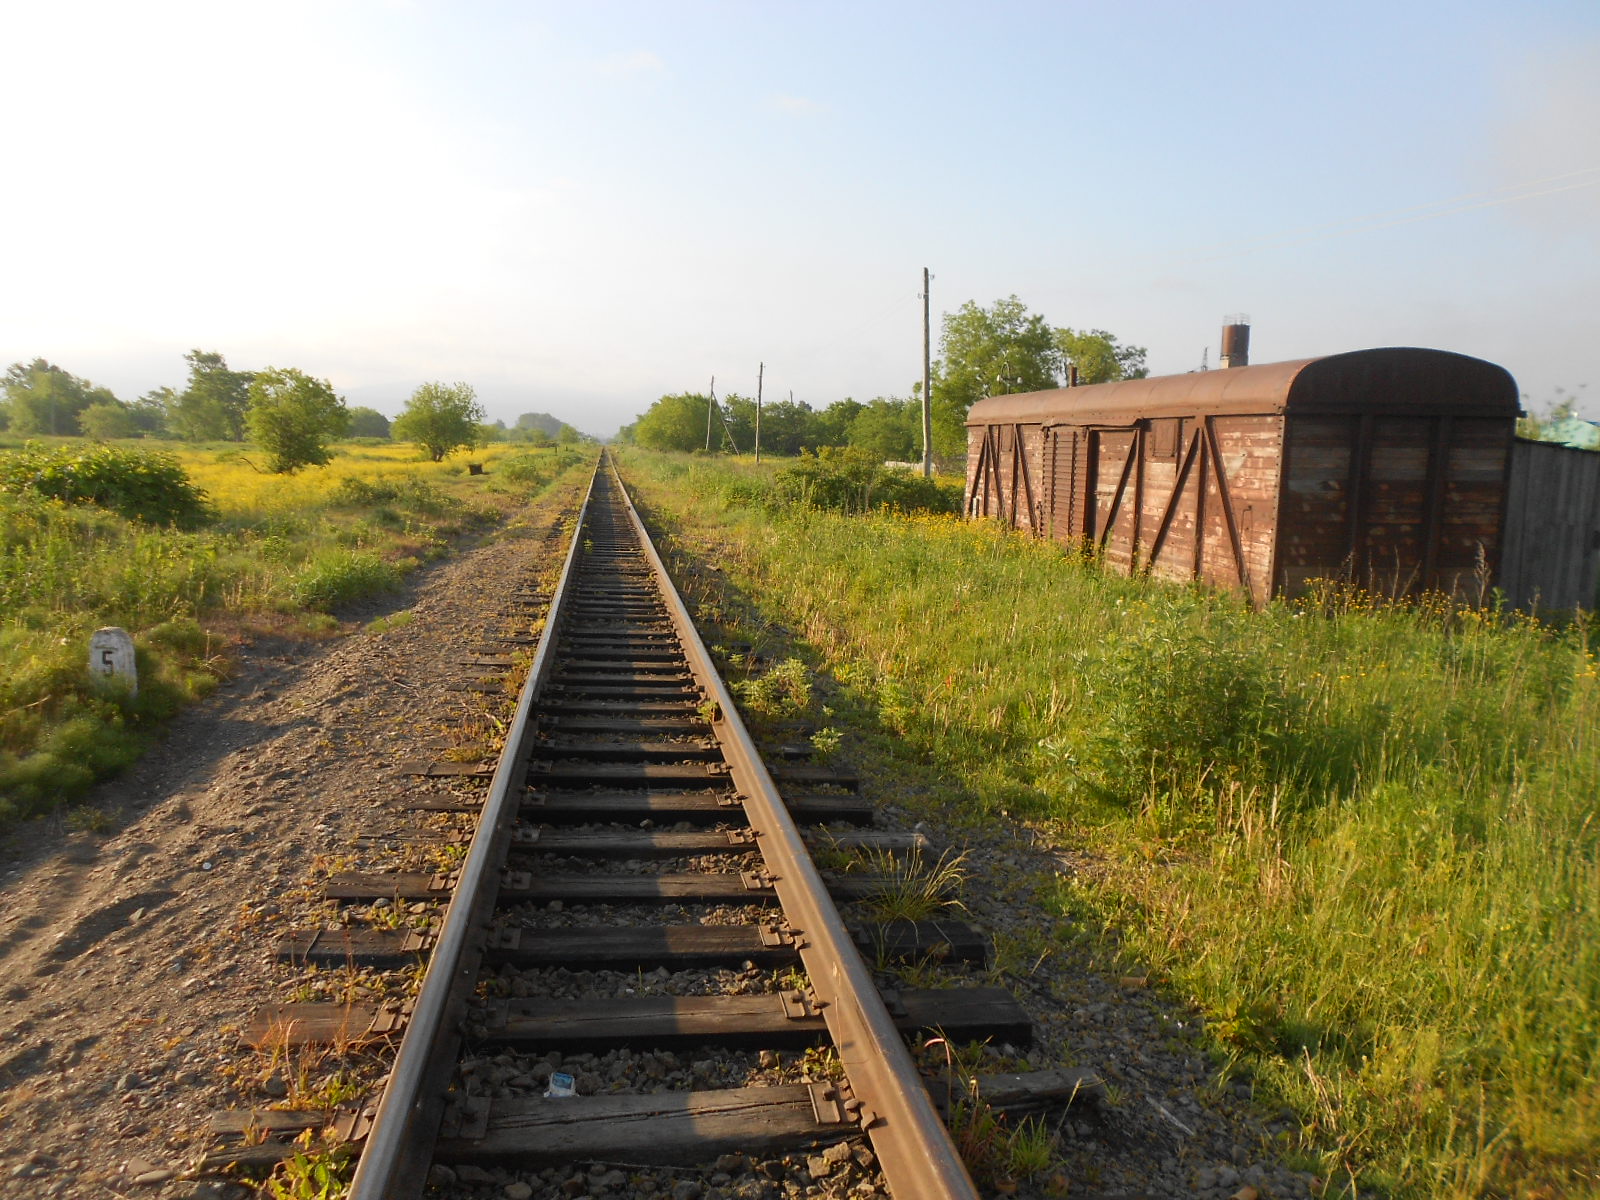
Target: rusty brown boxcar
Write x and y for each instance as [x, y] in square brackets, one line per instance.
[1385, 467]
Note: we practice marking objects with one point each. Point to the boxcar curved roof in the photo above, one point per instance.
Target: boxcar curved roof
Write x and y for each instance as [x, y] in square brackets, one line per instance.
[1389, 380]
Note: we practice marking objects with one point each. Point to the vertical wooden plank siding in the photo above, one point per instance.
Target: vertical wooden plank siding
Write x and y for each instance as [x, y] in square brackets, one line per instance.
[1393, 504]
[1552, 533]
[1433, 518]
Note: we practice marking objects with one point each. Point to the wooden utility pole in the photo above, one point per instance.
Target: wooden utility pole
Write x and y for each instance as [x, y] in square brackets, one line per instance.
[761, 372]
[711, 407]
[927, 384]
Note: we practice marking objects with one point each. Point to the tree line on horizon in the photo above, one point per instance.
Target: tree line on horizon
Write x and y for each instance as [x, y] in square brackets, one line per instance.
[291, 414]
[990, 351]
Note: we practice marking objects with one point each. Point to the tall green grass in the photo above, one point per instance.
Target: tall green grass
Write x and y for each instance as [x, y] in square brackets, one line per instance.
[273, 550]
[1363, 838]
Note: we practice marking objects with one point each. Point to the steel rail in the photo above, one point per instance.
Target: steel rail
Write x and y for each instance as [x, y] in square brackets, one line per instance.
[399, 1147]
[914, 1149]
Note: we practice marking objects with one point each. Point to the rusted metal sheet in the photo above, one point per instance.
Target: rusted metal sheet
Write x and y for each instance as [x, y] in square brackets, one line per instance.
[1383, 467]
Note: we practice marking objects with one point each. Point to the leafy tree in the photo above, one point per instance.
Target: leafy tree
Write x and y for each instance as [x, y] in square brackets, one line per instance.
[1549, 426]
[368, 423]
[738, 420]
[294, 417]
[540, 429]
[105, 420]
[440, 418]
[788, 427]
[676, 422]
[831, 426]
[150, 411]
[988, 352]
[1098, 357]
[551, 426]
[890, 429]
[45, 399]
[212, 408]
[992, 352]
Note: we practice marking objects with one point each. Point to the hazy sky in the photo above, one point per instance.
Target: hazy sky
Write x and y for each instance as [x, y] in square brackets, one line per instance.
[579, 206]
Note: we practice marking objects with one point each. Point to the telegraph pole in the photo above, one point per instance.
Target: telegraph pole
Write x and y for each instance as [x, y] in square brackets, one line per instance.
[761, 372]
[927, 385]
[711, 407]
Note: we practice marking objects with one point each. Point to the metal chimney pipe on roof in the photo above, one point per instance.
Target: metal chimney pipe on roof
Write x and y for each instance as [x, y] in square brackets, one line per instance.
[1235, 341]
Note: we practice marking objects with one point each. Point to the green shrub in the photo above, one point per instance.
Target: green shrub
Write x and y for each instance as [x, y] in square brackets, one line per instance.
[531, 469]
[783, 692]
[746, 493]
[342, 577]
[905, 491]
[838, 478]
[182, 634]
[1182, 710]
[86, 747]
[141, 485]
[852, 479]
[418, 495]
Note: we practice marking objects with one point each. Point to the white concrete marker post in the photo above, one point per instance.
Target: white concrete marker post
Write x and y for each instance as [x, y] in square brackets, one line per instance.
[111, 657]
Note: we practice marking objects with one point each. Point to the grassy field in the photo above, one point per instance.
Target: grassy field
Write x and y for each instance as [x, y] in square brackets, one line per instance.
[1363, 839]
[279, 552]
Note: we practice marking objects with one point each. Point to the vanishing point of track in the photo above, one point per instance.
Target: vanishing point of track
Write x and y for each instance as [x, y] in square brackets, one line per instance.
[626, 748]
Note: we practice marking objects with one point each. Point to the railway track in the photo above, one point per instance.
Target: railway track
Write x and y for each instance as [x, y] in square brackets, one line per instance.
[636, 940]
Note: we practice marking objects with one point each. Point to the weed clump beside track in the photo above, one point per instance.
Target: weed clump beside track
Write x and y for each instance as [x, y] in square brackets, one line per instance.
[1359, 836]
